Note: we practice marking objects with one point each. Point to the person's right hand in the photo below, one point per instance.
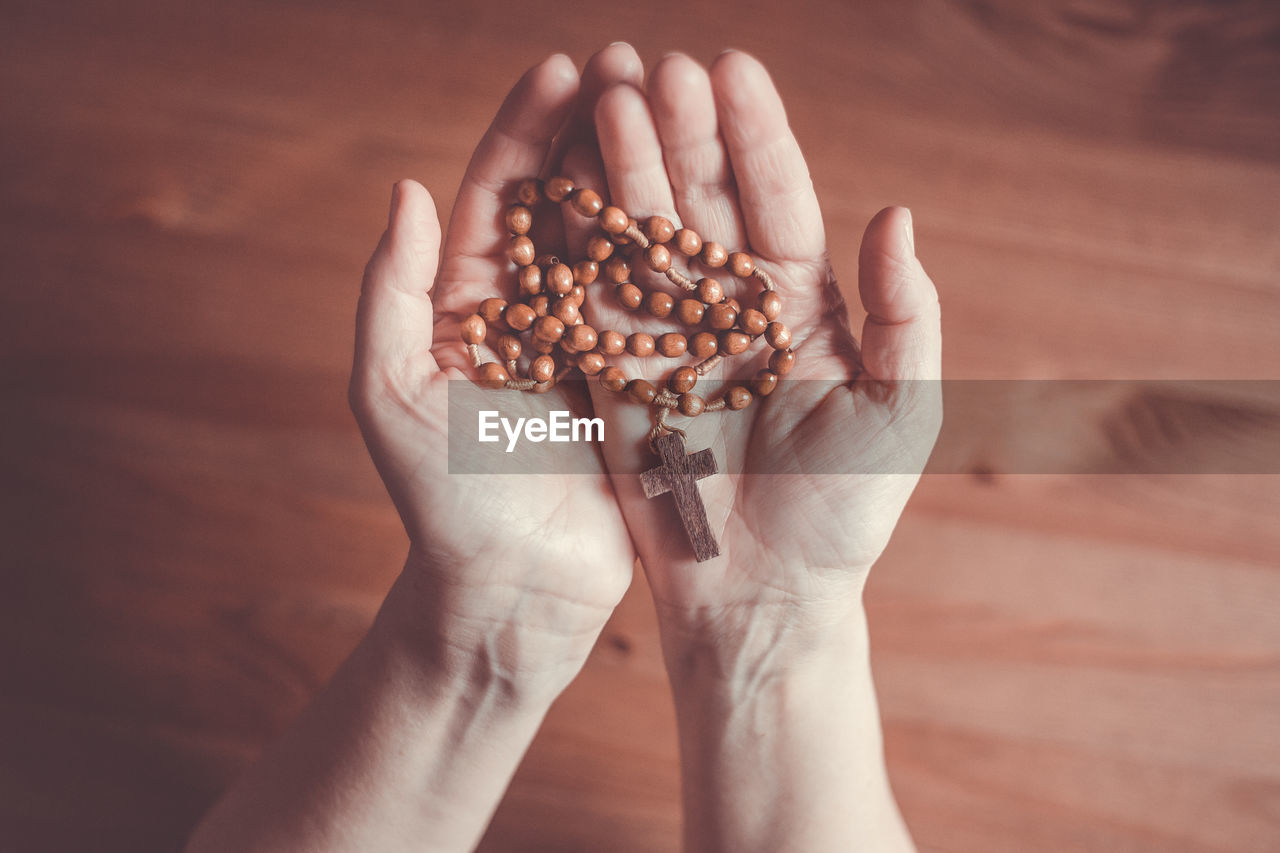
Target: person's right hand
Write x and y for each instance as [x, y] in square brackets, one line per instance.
[766, 645]
[515, 574]
[850, 427]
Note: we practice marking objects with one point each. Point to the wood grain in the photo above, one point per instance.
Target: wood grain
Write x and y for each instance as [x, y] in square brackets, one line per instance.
[193, 536]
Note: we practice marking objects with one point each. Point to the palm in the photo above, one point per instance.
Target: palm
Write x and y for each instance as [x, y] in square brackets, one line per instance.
[559, 522]
[526, 531]
[797, 535]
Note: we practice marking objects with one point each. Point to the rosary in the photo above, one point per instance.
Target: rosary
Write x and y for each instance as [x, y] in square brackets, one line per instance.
[549, 308]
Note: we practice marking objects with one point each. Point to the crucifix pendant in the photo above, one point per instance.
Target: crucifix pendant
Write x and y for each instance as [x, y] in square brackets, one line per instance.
[679, 475]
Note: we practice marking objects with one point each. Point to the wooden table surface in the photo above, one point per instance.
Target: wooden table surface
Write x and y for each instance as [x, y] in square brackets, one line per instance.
[193, 536]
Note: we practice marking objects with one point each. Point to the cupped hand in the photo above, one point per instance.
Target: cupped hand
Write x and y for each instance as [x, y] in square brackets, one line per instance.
[521, 571]
[714, 152]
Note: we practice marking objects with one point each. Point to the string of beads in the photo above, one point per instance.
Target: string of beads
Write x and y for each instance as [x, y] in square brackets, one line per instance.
[549, 310]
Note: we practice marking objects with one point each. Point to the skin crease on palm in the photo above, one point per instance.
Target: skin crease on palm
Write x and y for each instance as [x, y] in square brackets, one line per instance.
[711, 150]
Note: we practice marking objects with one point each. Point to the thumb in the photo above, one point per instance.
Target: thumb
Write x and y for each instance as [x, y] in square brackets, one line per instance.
[394, 320]
[902, 336]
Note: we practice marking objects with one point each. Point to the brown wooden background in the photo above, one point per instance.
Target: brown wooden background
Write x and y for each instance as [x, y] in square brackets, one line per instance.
[193, 536]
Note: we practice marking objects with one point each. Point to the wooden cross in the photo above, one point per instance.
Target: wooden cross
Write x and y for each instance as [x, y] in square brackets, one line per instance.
[679, 475]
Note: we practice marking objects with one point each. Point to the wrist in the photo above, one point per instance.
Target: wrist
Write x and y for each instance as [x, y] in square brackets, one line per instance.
[740, 652]
[780, 739]
[483, 640]
[769, 633]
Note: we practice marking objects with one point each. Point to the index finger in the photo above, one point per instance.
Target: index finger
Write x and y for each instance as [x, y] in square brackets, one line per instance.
[775, 192]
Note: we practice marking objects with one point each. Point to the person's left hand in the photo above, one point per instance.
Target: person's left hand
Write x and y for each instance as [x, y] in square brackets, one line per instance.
[513, 574]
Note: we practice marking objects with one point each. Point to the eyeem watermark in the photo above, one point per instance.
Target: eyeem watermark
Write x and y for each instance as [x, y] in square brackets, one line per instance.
[558, 426]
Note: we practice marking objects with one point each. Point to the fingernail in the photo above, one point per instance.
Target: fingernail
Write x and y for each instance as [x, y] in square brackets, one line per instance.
[727, 50]
[909, 231]
[616, 43]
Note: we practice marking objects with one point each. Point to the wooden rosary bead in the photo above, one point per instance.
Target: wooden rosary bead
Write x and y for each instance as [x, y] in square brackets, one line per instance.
[659, 304]
[473, 329]
[558, 189]
[541, 305]
[721, 317]
[565, 310]
[672, 345]
[737, 397]
[733, 343]
[732, 303]
[703, 345]
[542, 368]
[778, 335]
[522, 250]
[641, 391]
[530, 192]
[690, 311]
[492, 309]
[616, 269]
[765, 382]
[548, 329]
[710, 291]
[559, 279]
[493, 375]
[599, 248]
[781, 361]
[614, 220]
[770, 304]
[629, 296]
[587, 202]
[640, 344]
[545, 261]
[613, 379]
[577, 294]
[741, 264]
[714, 255]
[591, 363]
[612, 343]
[688, 243]
[530, 278]
[581, 337]
[585, 272]
[682, 379]
[659, 229]
[658, 257]
[520, 316]
[752, 322]
[509, 346]
[691, 405]
[519, 219]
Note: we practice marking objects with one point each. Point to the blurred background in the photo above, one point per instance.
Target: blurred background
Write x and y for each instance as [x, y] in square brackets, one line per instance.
[192, 536]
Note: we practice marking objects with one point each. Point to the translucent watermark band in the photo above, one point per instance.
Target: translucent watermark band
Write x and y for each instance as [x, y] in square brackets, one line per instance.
[818, 427]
